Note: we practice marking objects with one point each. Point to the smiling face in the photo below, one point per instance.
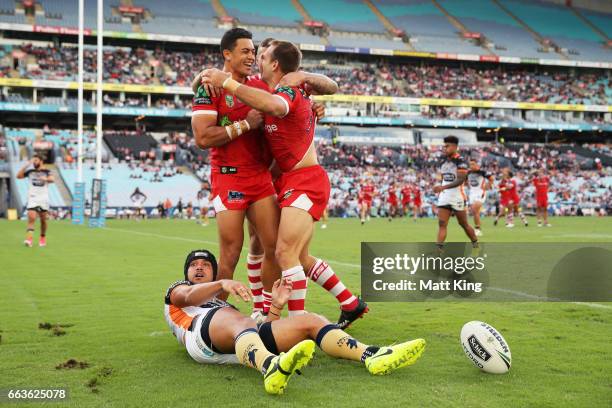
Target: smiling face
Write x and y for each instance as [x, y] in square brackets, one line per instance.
[200, 271]
[267, 65]
[241, 58]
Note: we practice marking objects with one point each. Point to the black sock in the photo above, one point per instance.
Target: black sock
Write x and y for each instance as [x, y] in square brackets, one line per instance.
[266, 364]
[369, 352]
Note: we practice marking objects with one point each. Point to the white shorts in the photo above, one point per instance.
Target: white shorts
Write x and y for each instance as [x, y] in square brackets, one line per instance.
[476, 195]
[38, 204]
[197, 348]
[452, 201]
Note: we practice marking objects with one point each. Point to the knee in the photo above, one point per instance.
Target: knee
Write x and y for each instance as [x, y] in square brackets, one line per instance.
[442, 223]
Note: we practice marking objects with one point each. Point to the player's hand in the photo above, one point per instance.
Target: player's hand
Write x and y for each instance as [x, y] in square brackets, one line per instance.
[319, 110]
[281, 291]
[237, 289]
[437, 189]
[255, 119]
[293, 79]
[214, 77]
[211, 90]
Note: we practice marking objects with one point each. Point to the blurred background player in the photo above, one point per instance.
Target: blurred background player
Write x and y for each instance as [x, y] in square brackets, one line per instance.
[416, 201]
[541, 183]
[38, 197]
[478, 182]
[139, 198]
[509, 202]
[451, 198]
[203, 199]
[366, 195]
[406, 193]
[392, 201]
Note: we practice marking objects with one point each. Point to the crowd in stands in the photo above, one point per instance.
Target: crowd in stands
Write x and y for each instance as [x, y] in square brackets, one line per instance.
[385, 77]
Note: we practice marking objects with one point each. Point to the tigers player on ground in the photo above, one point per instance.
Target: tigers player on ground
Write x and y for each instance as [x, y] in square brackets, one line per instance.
[304, 185]
[214, 332]
[478, 182]
[451, 198]
[541, 183]
[38, 198]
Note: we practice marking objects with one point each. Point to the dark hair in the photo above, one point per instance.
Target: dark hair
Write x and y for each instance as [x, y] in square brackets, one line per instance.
[37, 156]
[201, 254]
[451, 139]
[266, 43]
[228, 42]
[287, 54]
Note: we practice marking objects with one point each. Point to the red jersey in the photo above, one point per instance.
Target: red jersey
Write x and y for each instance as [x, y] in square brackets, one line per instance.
[291, 135]
[367, 192]
[541, 185]
[416, 194]
[510, 189]
[248, 154]
[406, 192]
[391, 195]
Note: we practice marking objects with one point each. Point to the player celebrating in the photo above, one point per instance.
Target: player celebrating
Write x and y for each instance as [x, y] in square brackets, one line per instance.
[366, 195]
[392, 201]
[451, 199]
[38, 198]
[214, 332]
[304, 185]
[478, 181]
[541, 183]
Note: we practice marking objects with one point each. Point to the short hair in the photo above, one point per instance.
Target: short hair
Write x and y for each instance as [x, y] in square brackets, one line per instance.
[266, 43]
[37, 156]
[228, 42]
[287, 54]
[451, 139]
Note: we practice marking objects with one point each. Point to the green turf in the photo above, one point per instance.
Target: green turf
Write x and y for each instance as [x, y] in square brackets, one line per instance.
[110, 284]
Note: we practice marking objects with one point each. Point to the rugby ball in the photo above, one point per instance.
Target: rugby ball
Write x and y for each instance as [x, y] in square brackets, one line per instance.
[485, 347]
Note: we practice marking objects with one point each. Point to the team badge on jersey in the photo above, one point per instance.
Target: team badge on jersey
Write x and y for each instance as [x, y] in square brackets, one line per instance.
[287, 194]
[229, 101]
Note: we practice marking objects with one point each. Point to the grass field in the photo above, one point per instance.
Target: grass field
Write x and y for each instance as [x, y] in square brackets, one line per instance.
[108, 285]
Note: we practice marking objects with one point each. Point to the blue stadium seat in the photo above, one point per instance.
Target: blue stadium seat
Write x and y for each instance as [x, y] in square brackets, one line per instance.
[346, 15]
[261, 12]
[120, 186]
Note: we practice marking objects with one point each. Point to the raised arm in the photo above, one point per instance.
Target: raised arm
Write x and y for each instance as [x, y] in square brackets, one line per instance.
[316, 84]
[21, 172]
[195, 295]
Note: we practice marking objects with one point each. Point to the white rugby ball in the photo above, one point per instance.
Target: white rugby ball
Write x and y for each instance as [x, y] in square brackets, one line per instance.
[484, 346]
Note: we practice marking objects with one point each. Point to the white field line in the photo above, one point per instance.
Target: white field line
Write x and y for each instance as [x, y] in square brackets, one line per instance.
[350, 265]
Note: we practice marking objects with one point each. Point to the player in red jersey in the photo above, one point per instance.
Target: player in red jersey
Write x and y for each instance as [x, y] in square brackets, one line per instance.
[241, 183]
[541, 183]
[416, 201]
[392, 201]
[366, 195]
[406, 193]
[509, 200]
[304, 185]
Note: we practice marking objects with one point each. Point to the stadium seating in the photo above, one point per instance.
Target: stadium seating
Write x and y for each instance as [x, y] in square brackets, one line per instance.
[483, 16]
[345, 15]
[281, 13]
[120, 186]
[135, 144]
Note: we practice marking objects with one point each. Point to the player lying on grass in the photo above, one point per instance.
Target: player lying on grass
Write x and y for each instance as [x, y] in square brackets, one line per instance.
[215, 332]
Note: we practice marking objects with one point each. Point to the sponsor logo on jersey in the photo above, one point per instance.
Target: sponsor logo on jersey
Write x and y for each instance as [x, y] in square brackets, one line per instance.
[235, 196]
[287, 91]
[478, 348]
[202, 97]
[229, 101]
[287, 194]
[271, 128]
[229, 170]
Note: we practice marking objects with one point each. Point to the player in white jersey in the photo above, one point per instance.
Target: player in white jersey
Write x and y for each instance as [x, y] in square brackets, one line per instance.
[38, 197]
[451, 198]
[203, 198]
[478, 182]
[215, 332]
